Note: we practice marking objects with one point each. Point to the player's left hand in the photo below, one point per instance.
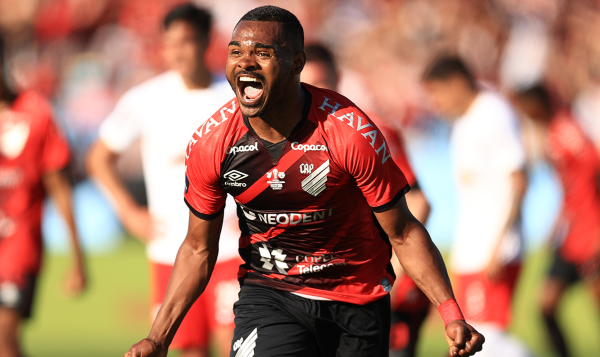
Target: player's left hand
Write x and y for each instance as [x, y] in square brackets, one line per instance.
[76, 281]
[463, 339]
[146, 348]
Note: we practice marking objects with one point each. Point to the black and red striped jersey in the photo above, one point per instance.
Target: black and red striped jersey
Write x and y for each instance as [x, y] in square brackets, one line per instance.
[306, 211]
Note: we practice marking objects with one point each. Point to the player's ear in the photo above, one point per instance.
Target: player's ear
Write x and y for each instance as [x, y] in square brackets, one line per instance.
[298, 62]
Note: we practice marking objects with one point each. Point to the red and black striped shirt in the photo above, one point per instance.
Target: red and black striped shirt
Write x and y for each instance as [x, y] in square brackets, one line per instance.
[306, 215]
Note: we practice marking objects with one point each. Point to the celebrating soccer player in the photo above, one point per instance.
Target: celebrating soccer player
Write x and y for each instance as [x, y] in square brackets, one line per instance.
[409, 304]
[321, 204]
[489, 163]
[163, 112]
[577, 237]
[33, 155]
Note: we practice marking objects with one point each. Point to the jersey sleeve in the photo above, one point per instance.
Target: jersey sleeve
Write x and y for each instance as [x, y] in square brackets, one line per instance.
[55, 149]
[203, 193]
[122, 126]
[366, 156]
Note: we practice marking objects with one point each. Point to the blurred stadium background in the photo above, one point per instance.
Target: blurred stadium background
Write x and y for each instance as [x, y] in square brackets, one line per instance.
[83, 54]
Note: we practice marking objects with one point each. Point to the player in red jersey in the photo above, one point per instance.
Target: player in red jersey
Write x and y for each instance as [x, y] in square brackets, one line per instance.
[409, 304]
[32, 155]
[577, 243]
[309, 172]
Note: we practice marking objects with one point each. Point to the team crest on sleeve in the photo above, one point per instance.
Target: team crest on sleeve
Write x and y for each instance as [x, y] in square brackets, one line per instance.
[275, 177]
[316, 182]
[13, 136]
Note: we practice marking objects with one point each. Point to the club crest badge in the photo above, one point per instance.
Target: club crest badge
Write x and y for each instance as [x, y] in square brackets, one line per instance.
[316, 182]
[13, 137]
[274, 178]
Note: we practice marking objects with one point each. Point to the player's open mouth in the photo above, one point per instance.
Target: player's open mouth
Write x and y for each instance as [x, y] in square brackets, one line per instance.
[251, 89]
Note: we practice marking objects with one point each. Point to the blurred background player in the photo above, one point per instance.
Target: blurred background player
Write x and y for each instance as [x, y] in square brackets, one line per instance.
[577, 237]
[163, 113]
[33, 155]
[489, 168]
[409, 304]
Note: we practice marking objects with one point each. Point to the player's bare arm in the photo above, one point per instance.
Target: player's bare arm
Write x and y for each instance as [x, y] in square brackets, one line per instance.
[58, 187]
[420, 208]
[423, 262]
[194, 265]
[101, 165]
[519, 183]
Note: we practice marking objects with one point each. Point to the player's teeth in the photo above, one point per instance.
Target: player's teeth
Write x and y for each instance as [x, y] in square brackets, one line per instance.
[248, 79]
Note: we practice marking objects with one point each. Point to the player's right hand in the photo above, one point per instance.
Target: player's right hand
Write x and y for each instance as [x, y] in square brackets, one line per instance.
[146, 348]
[463, 339]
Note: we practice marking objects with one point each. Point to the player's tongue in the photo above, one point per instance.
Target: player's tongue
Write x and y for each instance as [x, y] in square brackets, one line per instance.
[253, 90]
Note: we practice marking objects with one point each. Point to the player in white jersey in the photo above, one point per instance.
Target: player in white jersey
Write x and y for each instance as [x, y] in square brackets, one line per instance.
[163, 113]
[489, 168]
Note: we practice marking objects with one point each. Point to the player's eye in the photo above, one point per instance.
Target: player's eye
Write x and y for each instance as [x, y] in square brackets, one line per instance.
[264, 54]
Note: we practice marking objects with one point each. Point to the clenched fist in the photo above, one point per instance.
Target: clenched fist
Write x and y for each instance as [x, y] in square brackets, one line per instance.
[463, 339]
[147, 348]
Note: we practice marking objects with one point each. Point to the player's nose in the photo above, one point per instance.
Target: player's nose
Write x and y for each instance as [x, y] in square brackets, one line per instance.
[248, 62]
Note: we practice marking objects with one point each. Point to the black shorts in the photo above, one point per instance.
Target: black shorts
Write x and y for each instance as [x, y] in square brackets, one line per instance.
[271, 322]
[18, 297]
[570, 272]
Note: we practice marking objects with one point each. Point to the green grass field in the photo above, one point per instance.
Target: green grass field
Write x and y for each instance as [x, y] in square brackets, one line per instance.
[113, 313]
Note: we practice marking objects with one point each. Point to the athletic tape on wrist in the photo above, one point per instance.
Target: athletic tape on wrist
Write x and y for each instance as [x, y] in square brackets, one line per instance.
[450, 311]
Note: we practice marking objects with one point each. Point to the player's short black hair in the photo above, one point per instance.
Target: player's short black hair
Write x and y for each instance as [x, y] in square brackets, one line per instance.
[538, 92]
[271, 13]
[317, 52]
[200, 18]
[445, 67]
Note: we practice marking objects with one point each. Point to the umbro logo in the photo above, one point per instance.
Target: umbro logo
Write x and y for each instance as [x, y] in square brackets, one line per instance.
[235, 175]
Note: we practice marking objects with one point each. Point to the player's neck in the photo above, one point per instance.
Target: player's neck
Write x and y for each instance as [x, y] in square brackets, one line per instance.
[280, 120]
[201, 79]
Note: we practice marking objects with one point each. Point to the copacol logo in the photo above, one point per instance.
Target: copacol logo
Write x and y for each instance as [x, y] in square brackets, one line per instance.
[233, 176]
[242, 148]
